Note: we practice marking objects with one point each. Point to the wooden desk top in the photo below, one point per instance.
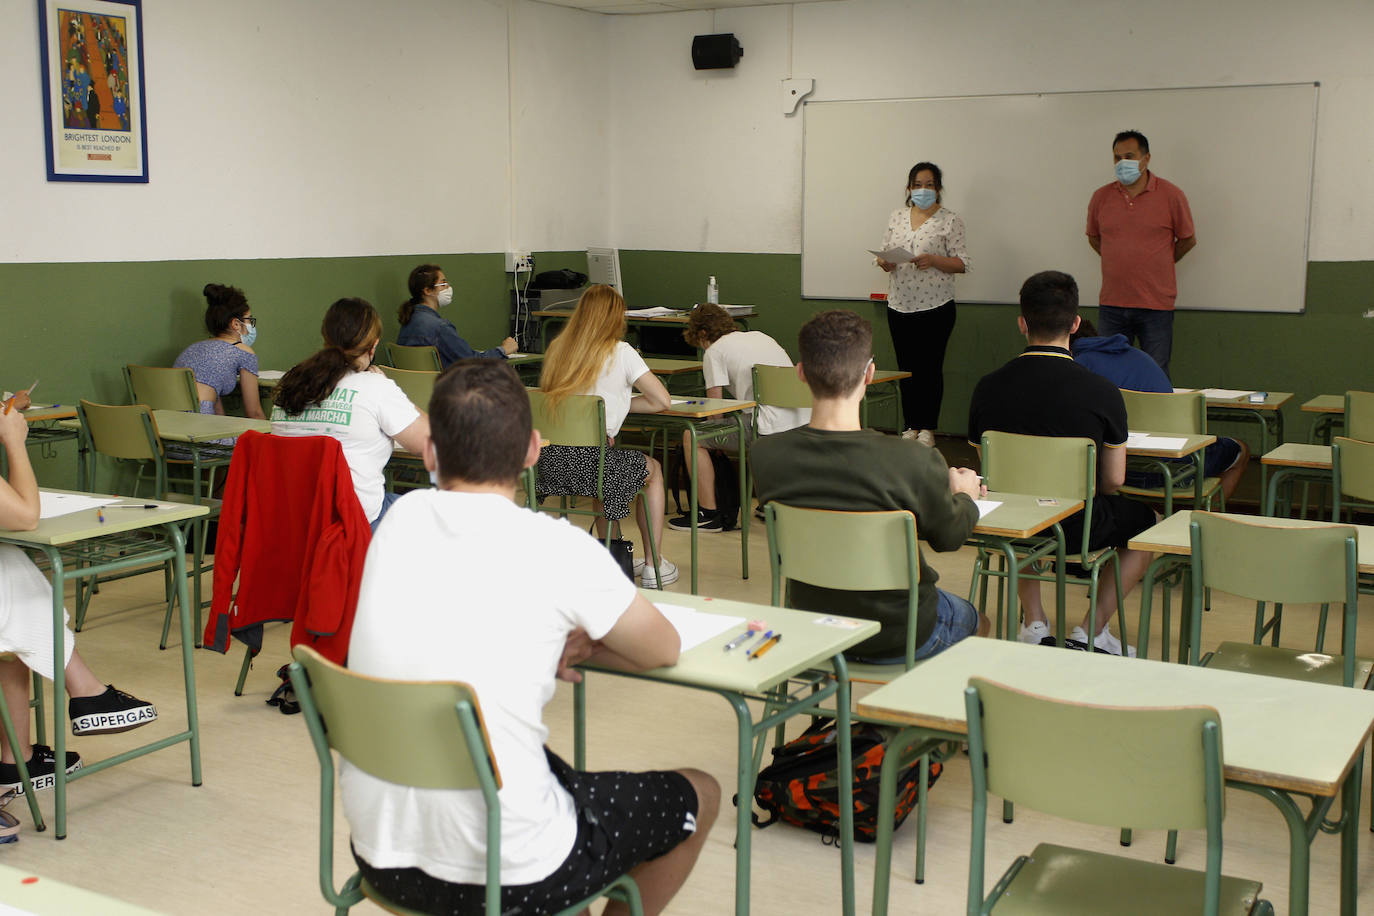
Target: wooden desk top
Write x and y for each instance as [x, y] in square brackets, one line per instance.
[40, 413]
[1275, 732]
[679, 318]
[659, 366]
[696, 408]
[1326, 403]
[83, 525]
[183, 426]
[806, 643]
[1020, 516]
[888, 375]
[1191, 444]
[1172, 535]
[1273, 400]
[270, 378]
[29, 893]
[1298, 455]
[524, 359]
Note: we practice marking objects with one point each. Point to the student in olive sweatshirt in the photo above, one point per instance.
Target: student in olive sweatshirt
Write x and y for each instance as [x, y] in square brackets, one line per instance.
[833, 463]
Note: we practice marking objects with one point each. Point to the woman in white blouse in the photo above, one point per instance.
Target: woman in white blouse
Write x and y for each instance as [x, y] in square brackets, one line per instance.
[920, 299]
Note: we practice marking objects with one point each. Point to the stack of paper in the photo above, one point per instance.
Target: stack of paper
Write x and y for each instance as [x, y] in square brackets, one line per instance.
[51, 505]
[1159, 443]
[693, 627]
[655, 312]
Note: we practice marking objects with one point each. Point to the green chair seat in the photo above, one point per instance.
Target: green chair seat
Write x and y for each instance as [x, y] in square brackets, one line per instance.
[1210, 486]
[1060, 881]
[874, 674]
[1294, 664]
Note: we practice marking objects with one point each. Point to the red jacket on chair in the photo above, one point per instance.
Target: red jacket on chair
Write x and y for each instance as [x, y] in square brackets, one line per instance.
[293, 534]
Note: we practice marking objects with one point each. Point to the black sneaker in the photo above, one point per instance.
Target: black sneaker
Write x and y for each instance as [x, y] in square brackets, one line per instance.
[707, 521]
[109, 712]
[42, 766]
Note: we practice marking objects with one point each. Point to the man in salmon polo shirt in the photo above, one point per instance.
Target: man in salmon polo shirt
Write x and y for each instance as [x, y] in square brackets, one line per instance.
[1141, 226]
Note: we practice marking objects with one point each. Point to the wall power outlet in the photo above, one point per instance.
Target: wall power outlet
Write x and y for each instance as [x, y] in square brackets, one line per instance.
[519, 261]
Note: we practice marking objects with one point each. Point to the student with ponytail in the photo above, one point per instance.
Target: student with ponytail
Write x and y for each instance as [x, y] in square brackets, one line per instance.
[421, 325]
[337, 392]
[225, 359]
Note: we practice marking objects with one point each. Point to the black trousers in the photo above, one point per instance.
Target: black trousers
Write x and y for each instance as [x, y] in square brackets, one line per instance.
[920, 339]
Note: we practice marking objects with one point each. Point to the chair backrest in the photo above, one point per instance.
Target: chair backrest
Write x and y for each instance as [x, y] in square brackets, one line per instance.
[1291, 565]
[125, 432]
[1185, 412]
[854, 551]
[1155, 768]
[778, 386]
[426, 734]
[416, 359]
[162, 388]
[1040, 465]
[1352, 469]
[1359, 415]
[580, 419]
[417, 385]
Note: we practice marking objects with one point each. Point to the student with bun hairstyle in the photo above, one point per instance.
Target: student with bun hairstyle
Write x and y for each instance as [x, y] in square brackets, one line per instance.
[590, 357]
[338, 392]
[421, 325]
[225, 359]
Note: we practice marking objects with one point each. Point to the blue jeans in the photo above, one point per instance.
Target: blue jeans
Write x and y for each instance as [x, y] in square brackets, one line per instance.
[955, 619]
[1153, 328]
[387, 500]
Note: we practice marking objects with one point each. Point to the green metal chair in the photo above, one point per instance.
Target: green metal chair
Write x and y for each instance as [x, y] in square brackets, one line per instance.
[1051, 466]
[7, 723]
[129, 434]
[1359, 415]
[1155, 767]
[855, 551]
[418, 385]
[439, 724]
[580, 421]
[1181, 414]
[416, 359]
[1352, 475]
[161, 388]
[778, 386]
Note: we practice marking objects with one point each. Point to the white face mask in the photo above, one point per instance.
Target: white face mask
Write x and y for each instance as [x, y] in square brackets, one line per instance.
[445, 296]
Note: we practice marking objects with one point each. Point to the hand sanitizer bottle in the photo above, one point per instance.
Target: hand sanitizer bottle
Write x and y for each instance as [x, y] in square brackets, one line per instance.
[712, 291]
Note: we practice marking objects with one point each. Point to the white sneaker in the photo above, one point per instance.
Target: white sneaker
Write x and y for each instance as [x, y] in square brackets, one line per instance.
[911, 433]
[1109, 643]
[667, 574]
[1035, 633]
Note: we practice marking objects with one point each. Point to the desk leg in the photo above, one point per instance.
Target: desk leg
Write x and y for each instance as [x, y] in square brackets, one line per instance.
[846, 778]
[187, 640]
[691, 459]
[744, 784]
[1061, 585]
[896, 750]
[1300, 853]
[746, 501]
[59, 695]
[580, 723]
[1350, 836]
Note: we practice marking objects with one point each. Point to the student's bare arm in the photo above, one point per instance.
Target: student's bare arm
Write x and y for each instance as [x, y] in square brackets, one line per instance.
[252, 401]
[652, 396]
[716, 392]
[19, 494]
[1096, 242]
[1111, 469]
[1183, 246]
[642, 639]
[413, 437]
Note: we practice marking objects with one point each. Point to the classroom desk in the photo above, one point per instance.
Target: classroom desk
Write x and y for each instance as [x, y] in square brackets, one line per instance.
[1263, 414]
[1170, 539]
[199, 433]
[1309, 463]
[1193, 447]
[1318, 756]
[893, 392]
[99, 548]
[1330, 415]
[688, 414]
[25, 892]
[1018, 519]
[549, 317]
[44, 429]
[807, 657]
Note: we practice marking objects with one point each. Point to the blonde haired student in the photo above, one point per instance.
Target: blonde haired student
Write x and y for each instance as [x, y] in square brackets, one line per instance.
[591, 357]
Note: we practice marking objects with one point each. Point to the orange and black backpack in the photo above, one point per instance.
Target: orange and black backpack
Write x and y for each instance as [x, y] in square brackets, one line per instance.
[801, 786]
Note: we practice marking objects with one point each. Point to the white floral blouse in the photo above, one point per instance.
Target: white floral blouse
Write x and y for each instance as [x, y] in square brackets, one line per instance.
[914, 290]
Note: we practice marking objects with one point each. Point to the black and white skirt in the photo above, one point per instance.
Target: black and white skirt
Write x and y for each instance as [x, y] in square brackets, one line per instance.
[568, 470]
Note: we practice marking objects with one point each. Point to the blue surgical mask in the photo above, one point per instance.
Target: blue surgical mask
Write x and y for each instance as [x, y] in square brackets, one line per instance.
[434, 478]
[923, 197]
[1128, 171]
[250, 336]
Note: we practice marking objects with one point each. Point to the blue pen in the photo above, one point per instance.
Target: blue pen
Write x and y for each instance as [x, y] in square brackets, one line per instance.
[762, 639]
[738, 640]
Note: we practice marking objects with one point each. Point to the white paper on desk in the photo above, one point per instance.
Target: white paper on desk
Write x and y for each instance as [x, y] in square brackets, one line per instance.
[1227, 394]
[986, 505]
[518, 355]
[693, 627]
[51, 505]
[657, 311]
[678, 400]
[270, 374]
[893, 255]
[1162, 443]
[1184, 390]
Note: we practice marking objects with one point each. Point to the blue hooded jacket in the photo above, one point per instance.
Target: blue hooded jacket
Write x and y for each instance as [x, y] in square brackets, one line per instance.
[1123, 365]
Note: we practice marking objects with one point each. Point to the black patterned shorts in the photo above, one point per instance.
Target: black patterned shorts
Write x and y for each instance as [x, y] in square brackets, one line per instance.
[623, 819]
[571, 470]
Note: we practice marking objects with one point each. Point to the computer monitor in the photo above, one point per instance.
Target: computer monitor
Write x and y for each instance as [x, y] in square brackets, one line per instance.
[603, 266]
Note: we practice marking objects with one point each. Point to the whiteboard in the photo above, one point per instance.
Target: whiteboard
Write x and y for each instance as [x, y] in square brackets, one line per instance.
[1019, 170]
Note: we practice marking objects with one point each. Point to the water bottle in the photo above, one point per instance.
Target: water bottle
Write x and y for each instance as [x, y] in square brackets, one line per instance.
[712, 291]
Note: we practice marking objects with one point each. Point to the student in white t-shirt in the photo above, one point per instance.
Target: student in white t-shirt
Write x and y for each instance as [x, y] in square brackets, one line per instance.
[728, 360]
[591, 357]
[564, 833]
[338, 392]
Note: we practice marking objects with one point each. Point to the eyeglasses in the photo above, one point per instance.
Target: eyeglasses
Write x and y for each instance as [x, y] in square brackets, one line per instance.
[442, 284]
[249, 320]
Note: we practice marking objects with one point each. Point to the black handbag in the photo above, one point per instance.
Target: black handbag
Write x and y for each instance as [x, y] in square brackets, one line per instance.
[623, 552]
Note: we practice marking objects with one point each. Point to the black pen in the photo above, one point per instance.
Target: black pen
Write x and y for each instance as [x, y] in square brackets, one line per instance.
[131, 506]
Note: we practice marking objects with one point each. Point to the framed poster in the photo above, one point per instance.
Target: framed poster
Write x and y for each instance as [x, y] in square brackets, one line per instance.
[95, 126]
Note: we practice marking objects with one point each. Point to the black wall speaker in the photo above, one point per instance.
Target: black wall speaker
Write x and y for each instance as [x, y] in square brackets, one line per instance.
[716, 52]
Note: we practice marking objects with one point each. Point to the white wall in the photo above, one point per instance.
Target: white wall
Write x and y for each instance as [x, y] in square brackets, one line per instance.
[732, 160]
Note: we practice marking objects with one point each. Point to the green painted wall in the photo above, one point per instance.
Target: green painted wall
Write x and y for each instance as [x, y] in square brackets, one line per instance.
[74, 325]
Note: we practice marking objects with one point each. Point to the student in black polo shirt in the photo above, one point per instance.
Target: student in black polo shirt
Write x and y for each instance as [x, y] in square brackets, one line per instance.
[1043, 392]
